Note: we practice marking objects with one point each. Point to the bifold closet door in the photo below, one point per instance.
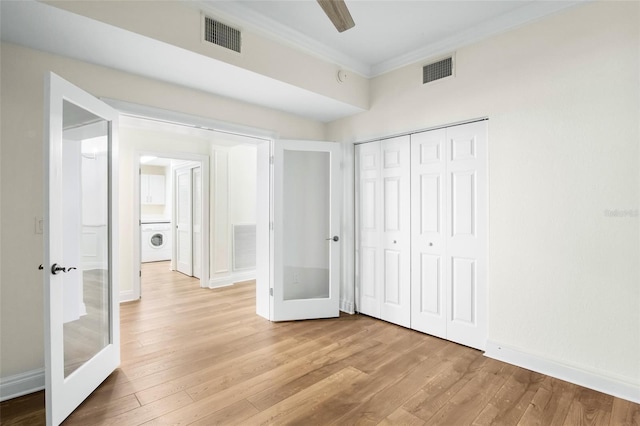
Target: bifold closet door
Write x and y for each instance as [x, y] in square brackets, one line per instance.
[384, 263]
[428, 239]
[449, 234]
[369, 217]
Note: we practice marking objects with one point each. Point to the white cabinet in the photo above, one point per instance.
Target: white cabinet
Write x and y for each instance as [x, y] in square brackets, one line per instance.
[152, 189]
[421, 232]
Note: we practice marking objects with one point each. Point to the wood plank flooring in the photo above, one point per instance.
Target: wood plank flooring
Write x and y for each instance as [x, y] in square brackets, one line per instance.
[194, 356]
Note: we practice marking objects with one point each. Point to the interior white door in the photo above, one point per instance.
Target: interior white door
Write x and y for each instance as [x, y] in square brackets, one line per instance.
[428, 236]
[82, 328]
[467, 234]
[448, 278]
[396, 235]
[307, 207]
[196, 177]
[183, 209]
[384, 230]
[369, 266]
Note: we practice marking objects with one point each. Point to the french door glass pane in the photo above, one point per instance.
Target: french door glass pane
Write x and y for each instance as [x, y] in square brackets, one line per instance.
[85, 178]
[306, 193]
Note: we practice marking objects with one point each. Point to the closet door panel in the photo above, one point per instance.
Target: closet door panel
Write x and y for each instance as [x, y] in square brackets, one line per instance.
[370, 222]
[466, 231]
[396, 236]
[428, 239]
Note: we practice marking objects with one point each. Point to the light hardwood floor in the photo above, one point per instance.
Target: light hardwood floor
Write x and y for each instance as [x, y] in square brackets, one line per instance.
[202, 357]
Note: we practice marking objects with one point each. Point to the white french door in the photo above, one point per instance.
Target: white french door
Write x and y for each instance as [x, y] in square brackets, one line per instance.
[82, 327]
[307, 208]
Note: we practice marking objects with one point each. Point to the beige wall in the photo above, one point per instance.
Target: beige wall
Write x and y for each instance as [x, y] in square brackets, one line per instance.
[180, 25]
[22, 78]
[562, 98]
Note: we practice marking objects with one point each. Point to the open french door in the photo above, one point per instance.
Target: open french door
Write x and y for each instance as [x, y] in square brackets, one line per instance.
[81, 312]
[307, 207]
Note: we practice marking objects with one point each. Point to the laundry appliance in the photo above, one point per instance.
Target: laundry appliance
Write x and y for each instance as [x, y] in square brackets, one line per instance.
[156, 241]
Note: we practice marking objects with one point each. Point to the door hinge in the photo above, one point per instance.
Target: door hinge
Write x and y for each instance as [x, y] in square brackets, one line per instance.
[271, 225]
[140, 273]
[271, 160]
[271, 292]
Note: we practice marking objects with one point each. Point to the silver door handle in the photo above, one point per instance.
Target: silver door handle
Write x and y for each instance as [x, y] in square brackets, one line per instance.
[334, 238]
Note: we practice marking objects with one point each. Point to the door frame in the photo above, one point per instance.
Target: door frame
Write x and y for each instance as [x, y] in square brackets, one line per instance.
[203, 160]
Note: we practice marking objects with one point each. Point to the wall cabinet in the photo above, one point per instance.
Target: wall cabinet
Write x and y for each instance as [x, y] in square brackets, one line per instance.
[421, 232]
[152, 189]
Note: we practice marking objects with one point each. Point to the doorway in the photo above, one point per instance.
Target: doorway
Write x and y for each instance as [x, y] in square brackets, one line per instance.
[171, 212]
[216, 173]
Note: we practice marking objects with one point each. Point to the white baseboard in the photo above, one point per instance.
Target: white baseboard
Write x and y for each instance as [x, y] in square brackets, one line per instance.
[231, 279]
[128, 296]
[347, 307]
[21, 384]
[596, 380]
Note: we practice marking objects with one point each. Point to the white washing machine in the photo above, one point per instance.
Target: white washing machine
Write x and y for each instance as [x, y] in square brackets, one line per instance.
[156, 241]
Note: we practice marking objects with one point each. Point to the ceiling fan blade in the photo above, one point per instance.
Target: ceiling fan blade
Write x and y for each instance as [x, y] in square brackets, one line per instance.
[338, 13]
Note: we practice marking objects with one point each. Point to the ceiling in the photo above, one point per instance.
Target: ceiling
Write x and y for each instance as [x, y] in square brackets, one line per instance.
[387, 34]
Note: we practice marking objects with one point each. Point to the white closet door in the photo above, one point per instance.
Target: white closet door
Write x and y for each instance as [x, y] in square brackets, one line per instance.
[467, 233]
[369, 216]
[396, 236]
[428, 242]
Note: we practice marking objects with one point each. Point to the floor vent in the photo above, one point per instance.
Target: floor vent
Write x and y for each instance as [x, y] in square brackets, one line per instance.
[221, 34]
[437, 70]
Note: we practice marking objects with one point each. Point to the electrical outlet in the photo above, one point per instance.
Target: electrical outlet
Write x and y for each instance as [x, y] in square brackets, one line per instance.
[38, 224]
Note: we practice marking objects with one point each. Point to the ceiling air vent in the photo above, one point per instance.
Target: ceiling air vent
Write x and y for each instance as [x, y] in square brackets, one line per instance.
[221, 34]
[437, 70]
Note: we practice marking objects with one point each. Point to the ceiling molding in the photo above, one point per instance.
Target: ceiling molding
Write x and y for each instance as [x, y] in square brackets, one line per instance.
[505, 22]
[236, 13]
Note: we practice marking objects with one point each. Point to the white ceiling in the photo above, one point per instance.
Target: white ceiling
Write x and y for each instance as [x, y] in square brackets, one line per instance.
[387, 34]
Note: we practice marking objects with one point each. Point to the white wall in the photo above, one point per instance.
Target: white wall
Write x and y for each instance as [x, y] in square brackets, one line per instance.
[233, 180]
[242, 184]
[562, 99]
[22, 71]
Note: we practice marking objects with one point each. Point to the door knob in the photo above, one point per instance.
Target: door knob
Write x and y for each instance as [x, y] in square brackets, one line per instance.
[55, 268]
[334, 238]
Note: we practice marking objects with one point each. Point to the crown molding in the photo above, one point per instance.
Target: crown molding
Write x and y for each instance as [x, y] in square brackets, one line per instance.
[503, 23]
[248, 19]
[236, 13]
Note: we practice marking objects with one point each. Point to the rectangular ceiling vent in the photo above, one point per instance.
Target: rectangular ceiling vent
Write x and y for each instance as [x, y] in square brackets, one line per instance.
[437, 70]
[221, 34]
